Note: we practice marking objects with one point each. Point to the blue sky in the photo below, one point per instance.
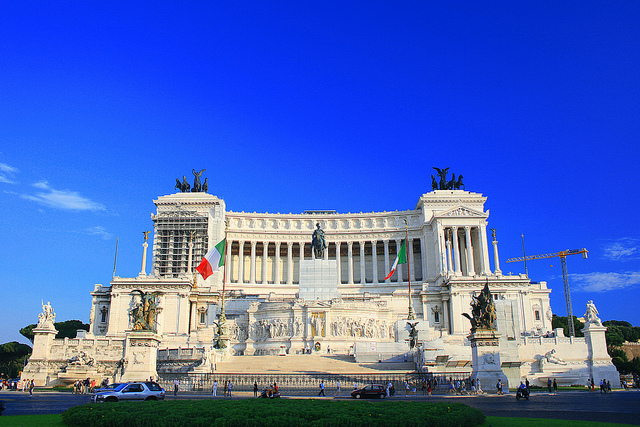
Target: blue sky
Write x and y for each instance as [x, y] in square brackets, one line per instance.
[293, 106]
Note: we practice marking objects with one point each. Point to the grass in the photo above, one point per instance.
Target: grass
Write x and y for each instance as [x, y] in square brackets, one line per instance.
[55, 420]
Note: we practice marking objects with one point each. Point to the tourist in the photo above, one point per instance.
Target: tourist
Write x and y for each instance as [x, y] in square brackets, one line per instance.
[338, 389]
[225, 388]
[389, 389]
[406, 388]
[429, 387]
[499, 386]
[555, 386]
[321, 388]
[478, 388]
[602, 390]
[214, 389]
[550, 384]
[255, 389]
[593, 385]
[176, 384]
[31, 387]
[328, 349]
[609, 386]
[229, 387]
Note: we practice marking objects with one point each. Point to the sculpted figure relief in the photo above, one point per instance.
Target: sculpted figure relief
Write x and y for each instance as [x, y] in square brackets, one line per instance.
[445, 184]
[198, 187]
[47, 317]
[551, 357]
[483, 311]
[143, 314]
[591, 315]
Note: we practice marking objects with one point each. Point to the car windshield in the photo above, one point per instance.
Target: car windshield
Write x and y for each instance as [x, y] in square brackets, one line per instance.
[119, 387]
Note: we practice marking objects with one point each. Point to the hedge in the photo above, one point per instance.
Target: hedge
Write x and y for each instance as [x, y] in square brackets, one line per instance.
[276, 413]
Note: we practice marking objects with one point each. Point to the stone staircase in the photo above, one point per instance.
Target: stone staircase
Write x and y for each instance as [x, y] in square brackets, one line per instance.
[308, 363]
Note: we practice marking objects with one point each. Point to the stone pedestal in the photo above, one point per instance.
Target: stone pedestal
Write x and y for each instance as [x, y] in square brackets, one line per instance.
[600, 365]
[485, 358]
[318, 279]
[38, 367]
[141, 354]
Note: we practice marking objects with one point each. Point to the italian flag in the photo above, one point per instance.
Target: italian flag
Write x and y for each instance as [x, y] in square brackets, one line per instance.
[401, 258]
[213, 260]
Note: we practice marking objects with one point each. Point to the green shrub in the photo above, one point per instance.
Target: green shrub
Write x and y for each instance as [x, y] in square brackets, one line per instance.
[273, 413]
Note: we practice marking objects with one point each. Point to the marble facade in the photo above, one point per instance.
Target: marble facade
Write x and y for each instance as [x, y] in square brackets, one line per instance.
[276, 297]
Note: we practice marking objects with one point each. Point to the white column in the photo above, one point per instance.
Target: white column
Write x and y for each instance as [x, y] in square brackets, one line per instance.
[265, 252]
[442, 251]
[399, 268]
[470, 267]
[289, 263]
[449, 257]
[302, 251]
[412, 265]
[276, 272]
[374, 254]
[241, 262]
[252, 272]
[143, 270]
[326, 252]
[189, 261]
[484, 258]
[350, 264]
[387, 267]
[338, 262]
[423, 258]
[496, 259]
[456, 251]
[363, 266]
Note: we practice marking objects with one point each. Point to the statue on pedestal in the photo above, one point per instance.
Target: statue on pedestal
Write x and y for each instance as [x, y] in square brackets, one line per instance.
[591, 316]
[47, 317]
[143, 315]
[483, 311]
[318, 242]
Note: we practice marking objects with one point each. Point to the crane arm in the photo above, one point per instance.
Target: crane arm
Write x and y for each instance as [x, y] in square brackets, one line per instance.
[582, 251]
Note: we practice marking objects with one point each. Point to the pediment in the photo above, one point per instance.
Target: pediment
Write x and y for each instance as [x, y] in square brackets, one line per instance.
[461, 211]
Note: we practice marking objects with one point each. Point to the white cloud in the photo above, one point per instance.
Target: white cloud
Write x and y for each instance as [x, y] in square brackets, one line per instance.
[61, 199]
[622, 249]
[603, 282]
[6, 173]
[98, 231]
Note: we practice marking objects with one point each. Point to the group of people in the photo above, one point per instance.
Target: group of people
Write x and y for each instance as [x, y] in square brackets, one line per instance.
[22, 385]
[227, 388]
[85, 386]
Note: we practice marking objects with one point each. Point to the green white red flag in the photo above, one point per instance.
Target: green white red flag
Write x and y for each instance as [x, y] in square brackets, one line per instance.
[401, 258]
[213, 260]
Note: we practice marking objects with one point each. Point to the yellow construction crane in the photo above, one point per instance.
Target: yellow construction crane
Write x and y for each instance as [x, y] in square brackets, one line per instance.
[565, 277]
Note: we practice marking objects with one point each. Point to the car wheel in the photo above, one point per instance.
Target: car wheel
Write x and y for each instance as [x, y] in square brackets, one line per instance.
[151, 398]
[357, 396]
[111, 399]
[382, 396]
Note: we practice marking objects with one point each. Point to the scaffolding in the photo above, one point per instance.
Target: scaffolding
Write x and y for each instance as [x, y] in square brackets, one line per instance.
[173, 231]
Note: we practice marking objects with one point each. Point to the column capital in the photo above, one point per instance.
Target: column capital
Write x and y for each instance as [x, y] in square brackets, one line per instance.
[253, 243]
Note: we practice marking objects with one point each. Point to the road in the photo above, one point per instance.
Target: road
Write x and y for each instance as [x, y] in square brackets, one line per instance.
[616, 407]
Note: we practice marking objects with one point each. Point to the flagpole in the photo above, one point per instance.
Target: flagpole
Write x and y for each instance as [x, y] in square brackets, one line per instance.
[412, 314]
[223, 318]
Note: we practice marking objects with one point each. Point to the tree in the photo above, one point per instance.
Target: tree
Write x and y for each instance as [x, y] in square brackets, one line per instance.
[12, 356]
[66, 329]
[561, 322]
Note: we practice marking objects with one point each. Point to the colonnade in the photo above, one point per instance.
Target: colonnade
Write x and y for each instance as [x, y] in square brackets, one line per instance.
[365, 261]
[466, 252]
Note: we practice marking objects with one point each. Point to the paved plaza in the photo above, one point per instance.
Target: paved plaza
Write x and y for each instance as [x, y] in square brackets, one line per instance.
[616, 407]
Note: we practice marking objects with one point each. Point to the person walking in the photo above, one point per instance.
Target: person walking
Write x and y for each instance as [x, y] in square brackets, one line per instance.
[321, 388]
[337, 393]
[214, 390]
[429, 387]
[32, 385]
[224, 389]
[175, 387]
[255, 389]
[555, 386]
[230, 387]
